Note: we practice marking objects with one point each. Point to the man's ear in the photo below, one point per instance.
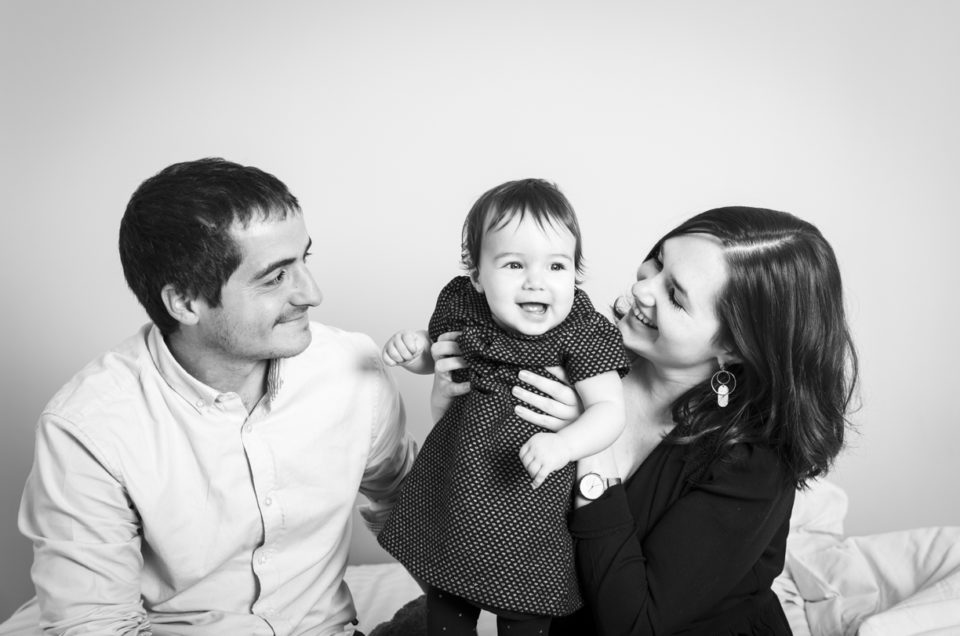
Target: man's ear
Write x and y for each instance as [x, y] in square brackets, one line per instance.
[475, 279]
[180, 306]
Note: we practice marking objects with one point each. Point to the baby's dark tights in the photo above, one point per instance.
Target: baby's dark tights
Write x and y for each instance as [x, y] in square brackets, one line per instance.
[449, 615]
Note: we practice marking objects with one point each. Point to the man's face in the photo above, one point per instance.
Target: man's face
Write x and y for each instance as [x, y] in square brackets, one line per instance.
[263, 309]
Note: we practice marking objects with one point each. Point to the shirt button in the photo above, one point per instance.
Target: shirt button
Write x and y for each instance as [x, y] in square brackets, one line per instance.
[267, 501]
[248, 428]
[199, 403]
[263, 559]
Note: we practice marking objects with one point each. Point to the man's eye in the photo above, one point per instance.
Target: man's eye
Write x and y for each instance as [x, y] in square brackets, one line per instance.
[279, 278]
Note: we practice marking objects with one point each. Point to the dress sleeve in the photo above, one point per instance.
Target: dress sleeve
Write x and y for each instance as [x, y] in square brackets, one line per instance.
[392, 451]
[86, 539]
[689, 560]
[594, 348]
[448, 312]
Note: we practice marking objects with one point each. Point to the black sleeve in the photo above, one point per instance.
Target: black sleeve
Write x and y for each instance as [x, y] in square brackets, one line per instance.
[691, 559]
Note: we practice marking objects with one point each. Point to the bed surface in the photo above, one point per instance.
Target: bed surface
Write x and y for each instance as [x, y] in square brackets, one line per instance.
[898, 583]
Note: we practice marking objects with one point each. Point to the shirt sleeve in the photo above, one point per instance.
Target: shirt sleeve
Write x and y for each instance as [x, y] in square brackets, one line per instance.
[691, 559]
[86, 537]
[595, 348]
[392, 451]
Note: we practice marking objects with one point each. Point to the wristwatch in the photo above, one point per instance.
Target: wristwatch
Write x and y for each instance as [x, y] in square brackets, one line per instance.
[592, 485]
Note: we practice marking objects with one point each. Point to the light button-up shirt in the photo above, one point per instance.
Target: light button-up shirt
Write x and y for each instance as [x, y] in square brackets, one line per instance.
[157, 503]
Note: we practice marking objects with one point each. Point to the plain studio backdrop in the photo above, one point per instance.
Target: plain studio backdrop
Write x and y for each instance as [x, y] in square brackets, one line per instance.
[388, 119]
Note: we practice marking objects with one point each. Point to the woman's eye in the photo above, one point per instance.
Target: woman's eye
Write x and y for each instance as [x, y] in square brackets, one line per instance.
[673, 299]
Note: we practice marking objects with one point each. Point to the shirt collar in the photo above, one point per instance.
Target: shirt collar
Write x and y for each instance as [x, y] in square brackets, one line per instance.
[199, 395]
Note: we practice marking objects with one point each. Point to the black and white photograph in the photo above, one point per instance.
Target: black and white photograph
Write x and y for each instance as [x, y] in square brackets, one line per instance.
[330, 318]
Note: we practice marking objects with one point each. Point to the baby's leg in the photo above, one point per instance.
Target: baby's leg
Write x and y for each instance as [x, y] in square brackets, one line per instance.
[523, 626]
[449, 615]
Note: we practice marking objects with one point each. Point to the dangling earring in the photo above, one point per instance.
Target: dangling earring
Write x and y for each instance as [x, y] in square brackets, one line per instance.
[723, 384]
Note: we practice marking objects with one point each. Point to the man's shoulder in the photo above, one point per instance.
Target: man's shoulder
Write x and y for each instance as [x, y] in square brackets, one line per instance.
[329, 341]
[106, 382]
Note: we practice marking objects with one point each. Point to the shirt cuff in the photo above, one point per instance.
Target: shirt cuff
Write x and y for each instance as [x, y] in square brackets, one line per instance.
[607, 515]
[374, 515]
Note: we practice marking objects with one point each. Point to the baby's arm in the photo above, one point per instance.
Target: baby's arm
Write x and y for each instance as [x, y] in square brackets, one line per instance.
[409, 349]
[597, 428]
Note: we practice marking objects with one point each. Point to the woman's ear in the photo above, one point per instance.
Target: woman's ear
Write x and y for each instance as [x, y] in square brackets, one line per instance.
[728, 357]
[180, 306]
[475, 279]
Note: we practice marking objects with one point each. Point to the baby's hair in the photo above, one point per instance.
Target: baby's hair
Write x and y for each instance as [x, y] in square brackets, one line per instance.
[500, 205]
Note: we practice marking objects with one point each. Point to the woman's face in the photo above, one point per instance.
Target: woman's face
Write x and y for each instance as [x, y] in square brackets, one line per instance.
[670, 312]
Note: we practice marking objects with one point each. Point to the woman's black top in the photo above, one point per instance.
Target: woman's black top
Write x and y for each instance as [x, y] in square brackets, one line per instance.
[685, 547]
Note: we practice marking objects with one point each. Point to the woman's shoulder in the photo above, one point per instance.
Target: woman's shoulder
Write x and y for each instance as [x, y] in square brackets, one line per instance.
[748, 467]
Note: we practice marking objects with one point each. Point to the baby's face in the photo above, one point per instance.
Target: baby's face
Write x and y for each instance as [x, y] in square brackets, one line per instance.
[527, 274]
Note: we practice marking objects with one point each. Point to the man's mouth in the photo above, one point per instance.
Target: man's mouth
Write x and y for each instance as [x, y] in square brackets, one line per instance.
[534, 308]
[291, 318]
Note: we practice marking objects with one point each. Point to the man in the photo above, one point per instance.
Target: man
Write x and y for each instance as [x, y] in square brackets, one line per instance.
[199, 479]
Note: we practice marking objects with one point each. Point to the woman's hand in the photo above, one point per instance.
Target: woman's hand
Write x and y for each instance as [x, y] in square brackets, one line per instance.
[447, 358]
[559, 409]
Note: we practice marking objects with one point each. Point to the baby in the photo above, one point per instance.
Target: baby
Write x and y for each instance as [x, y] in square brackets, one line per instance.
[482, 515]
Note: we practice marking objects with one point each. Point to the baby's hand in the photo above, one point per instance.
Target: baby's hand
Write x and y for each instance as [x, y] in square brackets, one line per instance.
[543, 454]
[405, 347]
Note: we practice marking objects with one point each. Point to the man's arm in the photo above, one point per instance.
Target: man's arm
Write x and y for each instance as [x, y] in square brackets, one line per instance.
[392, 452]
[86, 537]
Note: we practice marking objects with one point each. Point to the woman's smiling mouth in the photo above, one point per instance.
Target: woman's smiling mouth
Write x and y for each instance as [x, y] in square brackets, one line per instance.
[624, 306]
[643, 319]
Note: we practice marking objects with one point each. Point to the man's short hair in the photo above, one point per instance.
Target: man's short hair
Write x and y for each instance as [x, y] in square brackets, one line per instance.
[176, 229]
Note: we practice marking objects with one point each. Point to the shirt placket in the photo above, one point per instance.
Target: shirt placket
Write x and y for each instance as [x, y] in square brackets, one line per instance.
[260, 458]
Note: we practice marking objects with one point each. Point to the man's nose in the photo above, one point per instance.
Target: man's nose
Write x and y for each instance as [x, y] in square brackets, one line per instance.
[307, 292]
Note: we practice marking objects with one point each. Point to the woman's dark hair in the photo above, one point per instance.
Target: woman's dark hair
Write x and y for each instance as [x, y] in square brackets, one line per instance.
[781, 313]
[176, 229]
[498, 206]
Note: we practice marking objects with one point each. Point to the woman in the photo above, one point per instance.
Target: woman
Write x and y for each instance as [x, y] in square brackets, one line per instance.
[741, 378]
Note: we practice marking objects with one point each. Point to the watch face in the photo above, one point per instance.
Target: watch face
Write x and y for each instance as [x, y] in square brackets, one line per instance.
[591, 486]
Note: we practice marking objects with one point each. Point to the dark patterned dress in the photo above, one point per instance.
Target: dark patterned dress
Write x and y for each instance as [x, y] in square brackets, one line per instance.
[467, 521]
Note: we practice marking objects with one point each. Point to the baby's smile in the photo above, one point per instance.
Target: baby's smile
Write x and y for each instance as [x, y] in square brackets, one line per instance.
[533, 308]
